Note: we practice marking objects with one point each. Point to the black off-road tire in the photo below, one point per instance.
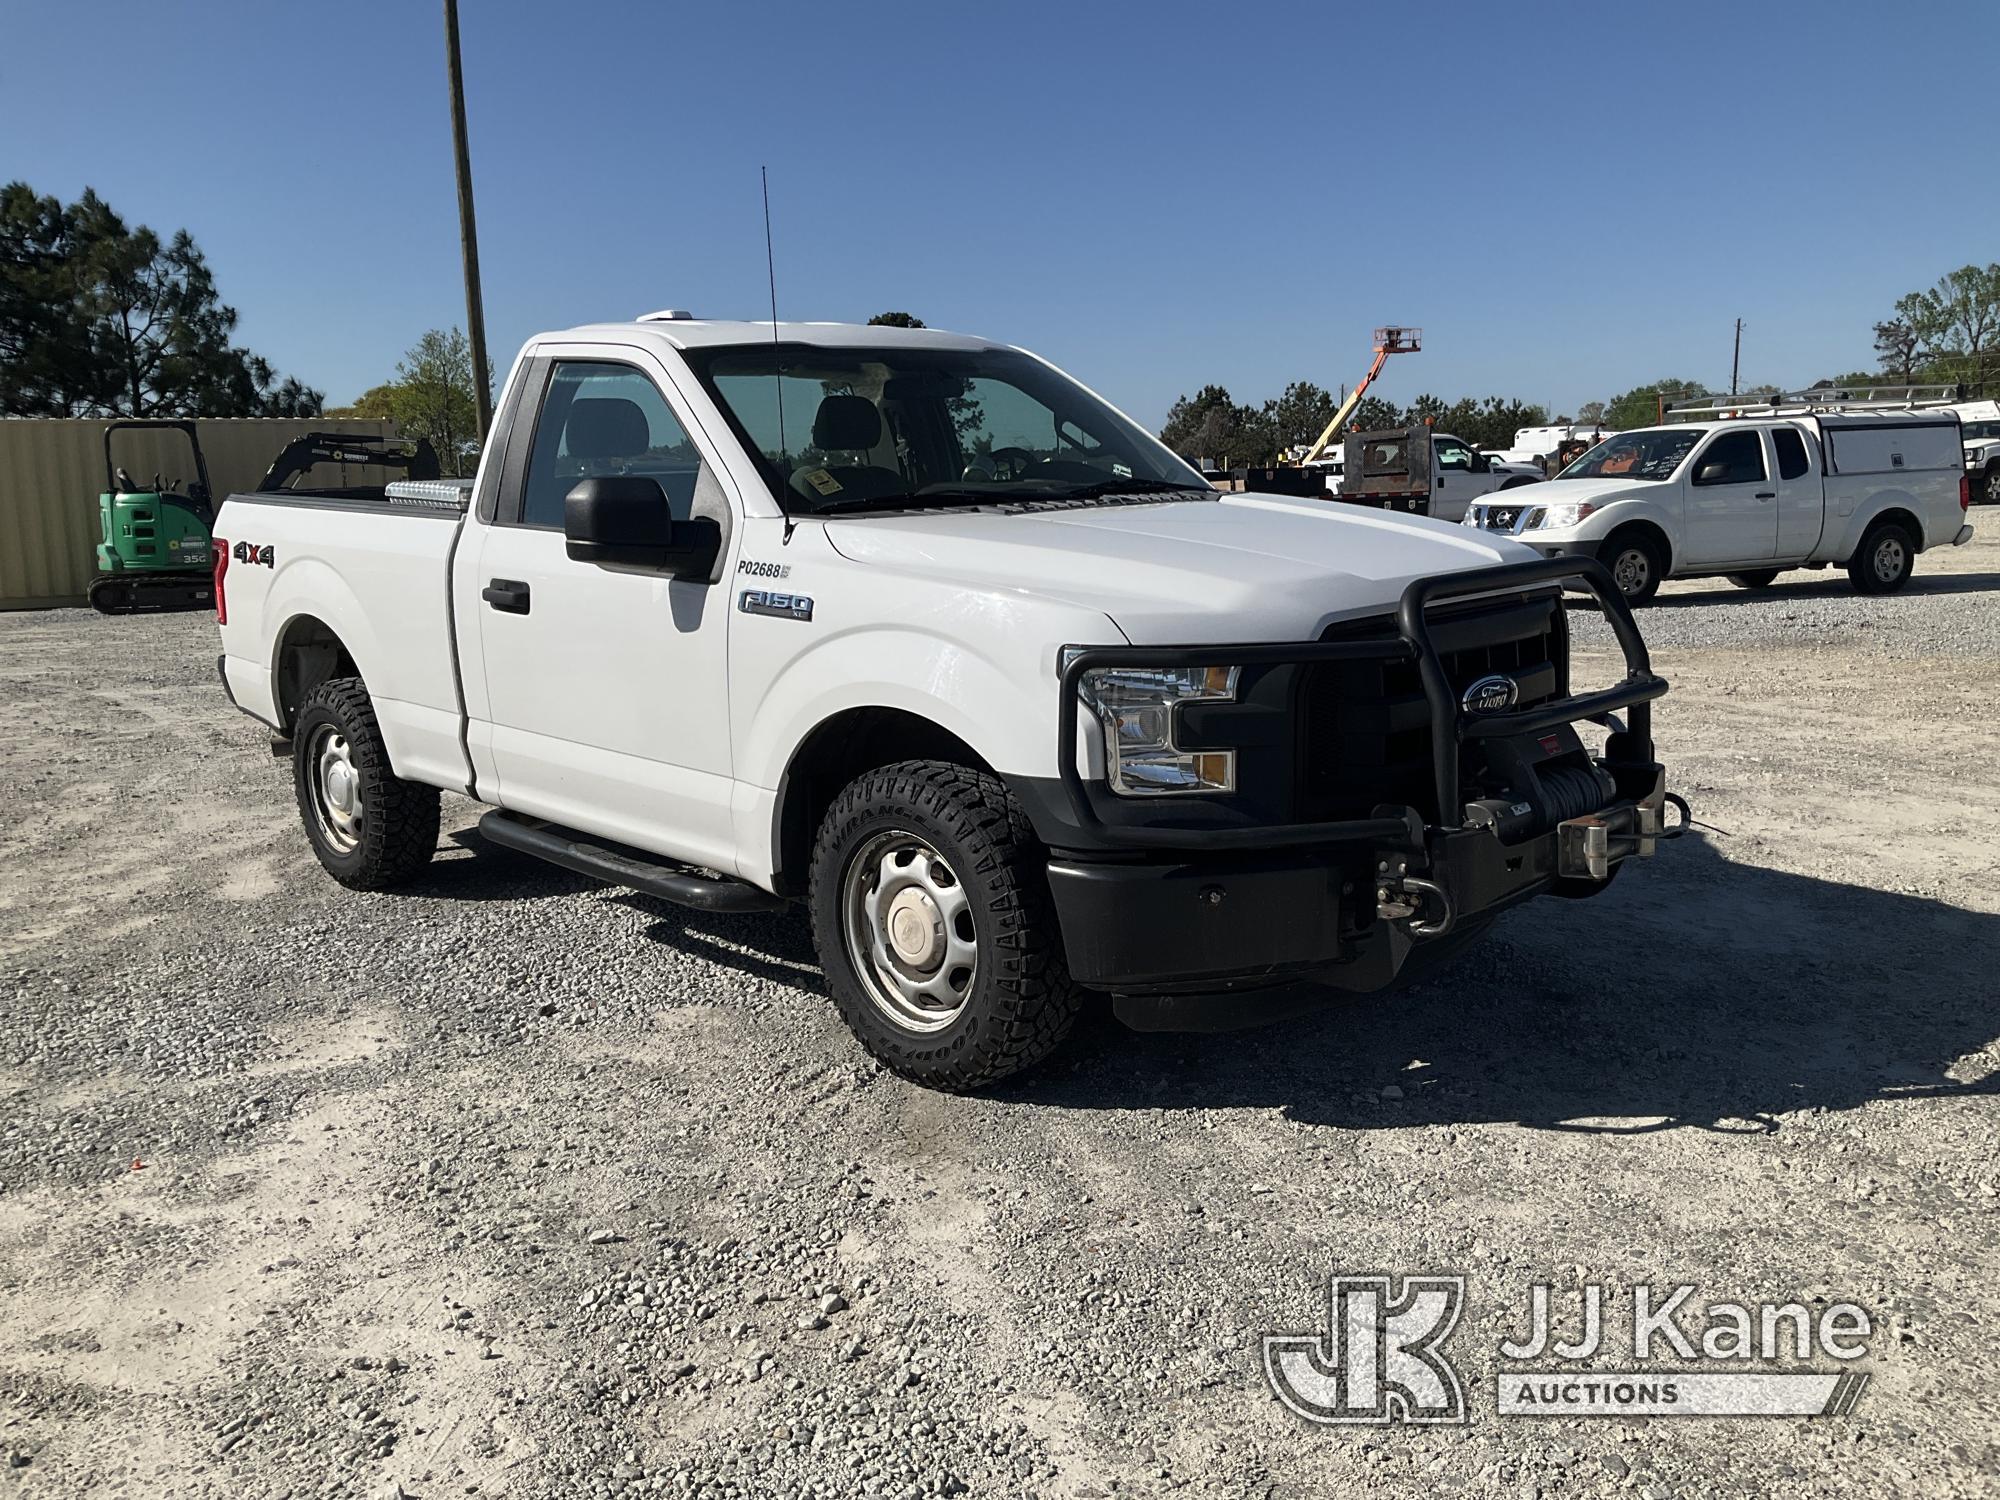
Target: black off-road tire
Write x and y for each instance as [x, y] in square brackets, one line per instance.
[1637, 583]
[397, 832]
[1757, 578]
[1021, 1002]
[1870, 570]
[1986, 486]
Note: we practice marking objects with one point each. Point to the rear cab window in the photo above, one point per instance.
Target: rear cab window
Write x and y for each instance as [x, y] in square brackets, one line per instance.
[1791, 446]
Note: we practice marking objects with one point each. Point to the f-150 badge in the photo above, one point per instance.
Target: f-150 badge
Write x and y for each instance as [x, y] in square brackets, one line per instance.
[783, 606]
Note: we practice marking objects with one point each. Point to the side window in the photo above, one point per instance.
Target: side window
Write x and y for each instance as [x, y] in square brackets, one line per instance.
[603, 418]
[1791, 452]
[1738, 455]
[1453, 455]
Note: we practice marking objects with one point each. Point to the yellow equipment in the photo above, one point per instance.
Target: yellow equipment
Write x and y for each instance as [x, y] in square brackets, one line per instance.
[1388, 341]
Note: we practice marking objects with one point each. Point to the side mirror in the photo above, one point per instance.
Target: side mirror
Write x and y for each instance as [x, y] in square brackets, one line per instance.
[623, 520]
[1711, 474]
[1481, 464]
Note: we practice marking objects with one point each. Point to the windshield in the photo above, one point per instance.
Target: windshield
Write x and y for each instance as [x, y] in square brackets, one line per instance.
[1651, 453]
[1981, 431]
[885, 428]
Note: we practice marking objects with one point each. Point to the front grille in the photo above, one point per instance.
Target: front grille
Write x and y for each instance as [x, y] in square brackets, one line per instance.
[1365, 726]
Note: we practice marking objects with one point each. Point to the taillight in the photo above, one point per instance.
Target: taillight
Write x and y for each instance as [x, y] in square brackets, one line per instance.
[1965, 492]
[221, 567]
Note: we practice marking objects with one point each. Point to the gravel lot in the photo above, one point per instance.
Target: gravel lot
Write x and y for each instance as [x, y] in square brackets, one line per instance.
[514, 1185]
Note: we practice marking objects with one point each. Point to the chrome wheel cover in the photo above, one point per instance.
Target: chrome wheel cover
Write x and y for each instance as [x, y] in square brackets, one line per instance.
[333, 787]
[908, 925]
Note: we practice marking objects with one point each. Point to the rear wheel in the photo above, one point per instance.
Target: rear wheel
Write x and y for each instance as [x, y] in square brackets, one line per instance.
[370, 828]
[1884, 560]
[1636, 564]
[933, 921]
[1761, 578]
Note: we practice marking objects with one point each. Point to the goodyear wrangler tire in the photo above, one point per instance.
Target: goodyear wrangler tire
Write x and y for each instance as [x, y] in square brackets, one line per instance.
[932, 916]
[370, 828]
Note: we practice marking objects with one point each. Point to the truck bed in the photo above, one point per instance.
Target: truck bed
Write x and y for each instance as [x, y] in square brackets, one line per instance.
[285, 559]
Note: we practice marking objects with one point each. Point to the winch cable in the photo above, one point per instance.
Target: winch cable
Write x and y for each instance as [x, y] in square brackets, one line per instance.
[1573, 792]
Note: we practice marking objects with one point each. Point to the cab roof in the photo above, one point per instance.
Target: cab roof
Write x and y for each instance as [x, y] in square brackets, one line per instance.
[685, 332]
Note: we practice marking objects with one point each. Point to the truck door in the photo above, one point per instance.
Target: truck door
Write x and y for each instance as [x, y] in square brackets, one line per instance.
[605, 686]
[1458, 481]
[1730, 512]
[1801, 494]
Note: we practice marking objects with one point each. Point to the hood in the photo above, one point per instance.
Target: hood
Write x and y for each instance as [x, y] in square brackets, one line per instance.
[1601, 491]
[1242, 568]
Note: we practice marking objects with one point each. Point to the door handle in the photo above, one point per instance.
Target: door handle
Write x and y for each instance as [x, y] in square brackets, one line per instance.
[1767, 494]
[508, 595]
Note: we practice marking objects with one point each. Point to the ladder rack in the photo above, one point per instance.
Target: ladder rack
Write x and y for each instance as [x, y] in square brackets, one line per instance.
[1855, 398]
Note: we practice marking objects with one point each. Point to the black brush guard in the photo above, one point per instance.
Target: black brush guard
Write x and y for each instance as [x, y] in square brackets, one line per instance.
[1624, 828]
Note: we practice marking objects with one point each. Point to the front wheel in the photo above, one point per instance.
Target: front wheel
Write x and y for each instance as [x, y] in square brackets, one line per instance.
[1884, 560]
[1988, 488]
[1636, 564]
[370, 828]
[932, 916]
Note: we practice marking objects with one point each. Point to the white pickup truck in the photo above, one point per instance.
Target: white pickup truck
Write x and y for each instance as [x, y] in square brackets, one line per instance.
[1752, 497]
[914, 629]
[1459, 475]
[1980, 433]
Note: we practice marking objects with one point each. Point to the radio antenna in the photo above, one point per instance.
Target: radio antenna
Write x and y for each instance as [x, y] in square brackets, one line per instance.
[771, 270]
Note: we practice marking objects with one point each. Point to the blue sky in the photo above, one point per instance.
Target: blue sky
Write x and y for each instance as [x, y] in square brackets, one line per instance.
[1570, 200]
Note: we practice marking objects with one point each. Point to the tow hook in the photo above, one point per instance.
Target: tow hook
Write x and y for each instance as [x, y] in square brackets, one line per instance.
[1403, 897]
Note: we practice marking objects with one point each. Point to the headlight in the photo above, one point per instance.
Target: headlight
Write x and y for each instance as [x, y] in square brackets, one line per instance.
[1137, 709]
[1558, 516]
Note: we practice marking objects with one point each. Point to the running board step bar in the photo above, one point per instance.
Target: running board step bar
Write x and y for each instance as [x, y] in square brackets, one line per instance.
[618, 865]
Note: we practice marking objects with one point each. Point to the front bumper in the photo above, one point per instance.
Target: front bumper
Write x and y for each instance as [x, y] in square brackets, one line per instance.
[1164, 907]
[1205, 923]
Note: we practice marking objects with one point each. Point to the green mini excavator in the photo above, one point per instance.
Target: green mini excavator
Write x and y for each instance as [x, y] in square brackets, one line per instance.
[153, 542]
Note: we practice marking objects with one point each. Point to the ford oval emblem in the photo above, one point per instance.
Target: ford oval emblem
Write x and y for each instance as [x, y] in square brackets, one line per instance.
[1491, 695]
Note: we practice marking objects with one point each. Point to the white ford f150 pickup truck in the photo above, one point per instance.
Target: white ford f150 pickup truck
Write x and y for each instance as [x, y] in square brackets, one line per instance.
[1752, 497]
[914, 629]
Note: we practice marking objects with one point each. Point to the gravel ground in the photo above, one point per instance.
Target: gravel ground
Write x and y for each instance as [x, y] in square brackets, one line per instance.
[514, 1185]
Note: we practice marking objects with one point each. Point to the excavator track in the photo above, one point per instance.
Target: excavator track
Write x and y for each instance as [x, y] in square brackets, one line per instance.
[151, 593]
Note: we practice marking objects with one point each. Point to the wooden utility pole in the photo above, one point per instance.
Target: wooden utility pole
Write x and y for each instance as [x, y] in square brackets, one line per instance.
[468, 229]
[1736, 359]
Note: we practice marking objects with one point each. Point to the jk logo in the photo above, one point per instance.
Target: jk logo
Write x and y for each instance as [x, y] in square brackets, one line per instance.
[1379, 1359]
